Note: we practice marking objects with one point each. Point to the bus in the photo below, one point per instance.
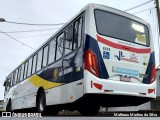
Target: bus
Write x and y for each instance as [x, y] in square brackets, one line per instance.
[101, 57]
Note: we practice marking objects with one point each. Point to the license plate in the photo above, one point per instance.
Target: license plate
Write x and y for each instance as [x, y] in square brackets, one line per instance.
[125, 78]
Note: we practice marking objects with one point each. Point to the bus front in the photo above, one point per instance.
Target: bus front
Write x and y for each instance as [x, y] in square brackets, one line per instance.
[119, 58]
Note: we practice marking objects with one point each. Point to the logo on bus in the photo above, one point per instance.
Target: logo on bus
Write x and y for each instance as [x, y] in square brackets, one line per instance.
[55, 74]
[119, 56]
[133, 57]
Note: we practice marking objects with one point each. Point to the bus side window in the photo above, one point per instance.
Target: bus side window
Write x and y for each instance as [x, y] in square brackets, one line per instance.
[7, 85]
[19, 73]
[52, 49]
[26, 68]
[13, 78]
[39, 60]
[8, 82]
[29, 67]
[77, 33]
[16, 76]
[45, 56]
[34, 64]
[22, 71]
[59, 50]
[69, 39]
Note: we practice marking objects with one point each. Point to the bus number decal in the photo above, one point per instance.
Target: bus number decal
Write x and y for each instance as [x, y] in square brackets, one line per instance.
[141, 39]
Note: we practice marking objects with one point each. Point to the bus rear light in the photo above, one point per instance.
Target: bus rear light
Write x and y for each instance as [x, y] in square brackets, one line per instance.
[98, 86]
[153, 74]
[91, 62]
[151, 90]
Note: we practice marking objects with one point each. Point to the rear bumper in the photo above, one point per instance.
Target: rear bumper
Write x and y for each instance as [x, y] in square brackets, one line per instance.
[130, 92]
[107, 100]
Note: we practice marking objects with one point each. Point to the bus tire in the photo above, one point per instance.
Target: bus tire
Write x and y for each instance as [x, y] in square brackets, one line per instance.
[41, 102]
[89, 110]
[9, 106]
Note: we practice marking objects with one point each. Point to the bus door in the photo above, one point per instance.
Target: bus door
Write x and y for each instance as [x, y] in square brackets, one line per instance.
[73, 54]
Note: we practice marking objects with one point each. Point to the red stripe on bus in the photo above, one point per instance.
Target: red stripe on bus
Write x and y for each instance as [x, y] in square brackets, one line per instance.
[122, 47]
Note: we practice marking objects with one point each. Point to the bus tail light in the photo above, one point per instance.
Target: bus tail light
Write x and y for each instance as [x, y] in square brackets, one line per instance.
[91, 62]
[153, 74]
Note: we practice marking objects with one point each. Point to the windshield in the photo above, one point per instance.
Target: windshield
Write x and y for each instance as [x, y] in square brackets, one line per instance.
[113, 25]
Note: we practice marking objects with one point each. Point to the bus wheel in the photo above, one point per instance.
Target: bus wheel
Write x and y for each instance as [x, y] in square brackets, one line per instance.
[41, 103]
[89, 110]
[9, 106]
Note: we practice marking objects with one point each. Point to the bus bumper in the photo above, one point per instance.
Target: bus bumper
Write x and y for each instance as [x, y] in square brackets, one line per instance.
[111, 89]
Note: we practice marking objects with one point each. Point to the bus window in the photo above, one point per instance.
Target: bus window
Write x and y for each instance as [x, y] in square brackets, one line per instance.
[13, 78]
[77, 33]
[69, 39]
[34, 64]
[7, 86]
[52, 47]
[59, 51]
[22, 71]
[16, 75]
[19, 73]
[45, 56]
[133, 31]
[10, 76]
[9, 81]
[26, 68]
[39, 61]
[29, 67]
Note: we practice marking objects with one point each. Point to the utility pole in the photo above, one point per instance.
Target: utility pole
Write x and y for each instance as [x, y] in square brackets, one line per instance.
[158, 12]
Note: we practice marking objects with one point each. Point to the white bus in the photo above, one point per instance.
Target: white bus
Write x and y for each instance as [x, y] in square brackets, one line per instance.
[101, 57]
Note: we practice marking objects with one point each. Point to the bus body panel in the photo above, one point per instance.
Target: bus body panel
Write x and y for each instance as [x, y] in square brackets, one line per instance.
[65, 93]
[24, 95]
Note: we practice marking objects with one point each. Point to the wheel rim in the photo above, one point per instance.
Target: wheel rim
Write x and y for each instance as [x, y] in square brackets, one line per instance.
[42, 104]
[10, 108]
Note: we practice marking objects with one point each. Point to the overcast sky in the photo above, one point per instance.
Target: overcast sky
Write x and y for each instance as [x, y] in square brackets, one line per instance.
[13, 53]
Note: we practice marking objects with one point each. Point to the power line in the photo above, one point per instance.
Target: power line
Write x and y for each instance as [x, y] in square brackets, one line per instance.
[29, 30]
[138, 5]
[17, 40]
[35, 24]
[143, 10]
[29, 36]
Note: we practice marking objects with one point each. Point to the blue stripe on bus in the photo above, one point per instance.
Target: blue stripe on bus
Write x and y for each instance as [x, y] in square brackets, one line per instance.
[149, 68]
[71, 71]
[92, 45]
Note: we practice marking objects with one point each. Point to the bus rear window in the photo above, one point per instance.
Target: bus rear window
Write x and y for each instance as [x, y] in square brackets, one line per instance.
[113, 25]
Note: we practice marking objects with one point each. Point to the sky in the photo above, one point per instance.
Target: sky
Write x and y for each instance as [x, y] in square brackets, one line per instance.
[12, 53]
